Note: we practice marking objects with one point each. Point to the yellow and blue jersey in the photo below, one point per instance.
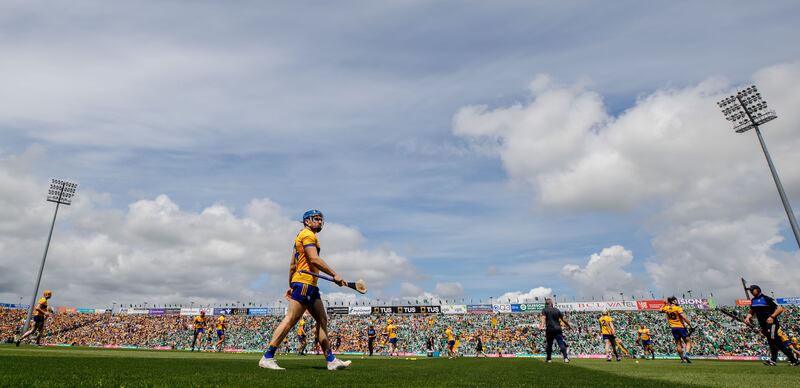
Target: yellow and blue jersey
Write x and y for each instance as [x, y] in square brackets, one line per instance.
[605, 325]
[301, 328]
[392, 330]
[644, 334]
[41, 306]
[449, 334]
[305, 238]
[783, 338]
[673, 315]
[221, 323]
[200, 322]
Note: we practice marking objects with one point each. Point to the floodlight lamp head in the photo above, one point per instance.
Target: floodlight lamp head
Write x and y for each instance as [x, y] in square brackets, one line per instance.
[61, 191]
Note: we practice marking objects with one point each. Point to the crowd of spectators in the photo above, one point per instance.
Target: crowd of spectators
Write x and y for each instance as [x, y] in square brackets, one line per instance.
[718, 331]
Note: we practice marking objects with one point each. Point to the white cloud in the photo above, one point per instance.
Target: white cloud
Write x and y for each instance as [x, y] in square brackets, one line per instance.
[671, 157]
[410, 290]
[604, 274]
[538, 293]
[159, 253]
[449, 289]
[413, 293]
[711, 256]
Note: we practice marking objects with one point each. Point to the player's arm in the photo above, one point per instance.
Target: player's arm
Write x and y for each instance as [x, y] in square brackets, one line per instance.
[685, 320]
[541, 322]
[316, 261]
[748, 319]
[778, 311]
[292, 270]
[611, 327]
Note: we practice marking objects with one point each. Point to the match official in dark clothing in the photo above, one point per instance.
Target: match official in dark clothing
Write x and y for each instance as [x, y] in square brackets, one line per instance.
[371, 335]
[550, 322]
[767, 311]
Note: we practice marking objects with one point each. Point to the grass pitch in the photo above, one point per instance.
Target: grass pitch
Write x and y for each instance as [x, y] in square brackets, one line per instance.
[58, 366]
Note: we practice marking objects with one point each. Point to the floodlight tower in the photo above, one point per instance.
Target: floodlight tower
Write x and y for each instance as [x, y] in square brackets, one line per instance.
[747, 110]
[61, 192]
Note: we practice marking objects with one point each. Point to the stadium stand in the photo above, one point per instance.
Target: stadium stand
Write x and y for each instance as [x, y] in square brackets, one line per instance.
[719, 331]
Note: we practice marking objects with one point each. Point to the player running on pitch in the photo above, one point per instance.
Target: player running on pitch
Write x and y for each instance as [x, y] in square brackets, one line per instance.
[795, 346]
[645, 340]
[608, 331]
[479, 349]
[767, 311]
[221, 326]
[391, 332]
[200, 323]
[303, 293]
[40, 314]
[681, 328]
[451, 342]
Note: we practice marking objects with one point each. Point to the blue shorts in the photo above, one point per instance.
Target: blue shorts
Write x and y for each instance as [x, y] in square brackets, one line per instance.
[301, 337]
[609, 337]
[392, 340]
[645, 342]
[451, 343]
[198, 331]
[679, 333]
[220, 333]
[305, 294]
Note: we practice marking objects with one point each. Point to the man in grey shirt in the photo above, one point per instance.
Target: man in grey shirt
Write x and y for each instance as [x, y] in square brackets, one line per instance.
[551, 321]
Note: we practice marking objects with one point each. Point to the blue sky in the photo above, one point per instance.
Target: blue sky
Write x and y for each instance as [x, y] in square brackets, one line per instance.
[351, 108]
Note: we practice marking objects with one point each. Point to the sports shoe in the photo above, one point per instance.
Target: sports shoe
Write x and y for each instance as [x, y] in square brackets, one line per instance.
[769, 363]
[688, 361]
[549, 361]
[269, 363]
[566, 360]
[794, 363]
[619, 359]
[338, 364]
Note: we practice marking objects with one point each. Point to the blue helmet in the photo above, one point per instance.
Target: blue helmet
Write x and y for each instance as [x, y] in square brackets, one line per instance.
[311, 213]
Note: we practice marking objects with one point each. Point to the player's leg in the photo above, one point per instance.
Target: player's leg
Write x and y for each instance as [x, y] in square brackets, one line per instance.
[548, 345]
[317, 311]
[679, 348]
[613, 342]
[194, 339]
[562, 345]
[39, 333]
[294, 311]
[29, 332]
[220, 340]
